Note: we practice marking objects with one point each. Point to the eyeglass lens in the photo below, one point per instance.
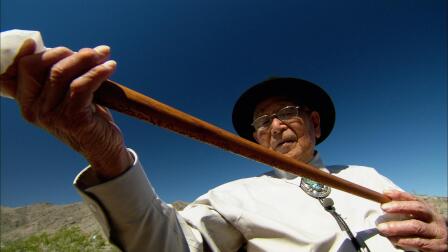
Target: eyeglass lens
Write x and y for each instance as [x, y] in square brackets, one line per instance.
[283, 114]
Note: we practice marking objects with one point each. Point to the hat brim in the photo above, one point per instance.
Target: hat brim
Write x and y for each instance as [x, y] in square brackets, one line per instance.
[304, 92]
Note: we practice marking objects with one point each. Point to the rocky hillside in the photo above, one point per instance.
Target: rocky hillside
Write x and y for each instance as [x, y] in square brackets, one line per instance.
[22, 222]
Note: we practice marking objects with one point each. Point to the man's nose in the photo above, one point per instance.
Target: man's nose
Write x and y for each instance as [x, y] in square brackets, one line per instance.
[277, 126]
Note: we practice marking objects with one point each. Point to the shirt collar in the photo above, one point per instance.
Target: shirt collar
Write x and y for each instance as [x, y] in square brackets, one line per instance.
[316, 161]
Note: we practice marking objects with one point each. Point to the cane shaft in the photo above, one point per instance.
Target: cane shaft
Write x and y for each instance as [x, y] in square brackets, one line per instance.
[132, 103]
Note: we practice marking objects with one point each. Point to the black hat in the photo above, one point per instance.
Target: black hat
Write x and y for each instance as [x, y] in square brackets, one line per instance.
[302, 91]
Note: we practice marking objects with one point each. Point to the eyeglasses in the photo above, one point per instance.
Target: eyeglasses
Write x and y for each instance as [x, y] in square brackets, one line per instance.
[284, 114]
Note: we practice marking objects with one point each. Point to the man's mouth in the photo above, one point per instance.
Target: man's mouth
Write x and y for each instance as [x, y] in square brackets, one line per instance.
[284, 144]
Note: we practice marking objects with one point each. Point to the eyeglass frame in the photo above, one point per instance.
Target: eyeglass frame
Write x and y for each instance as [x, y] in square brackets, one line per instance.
[275, 115]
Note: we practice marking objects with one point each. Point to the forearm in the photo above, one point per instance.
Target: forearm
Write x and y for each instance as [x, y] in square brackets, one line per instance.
[130, 212]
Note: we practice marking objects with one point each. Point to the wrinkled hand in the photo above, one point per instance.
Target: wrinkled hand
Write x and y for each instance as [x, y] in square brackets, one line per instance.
[426, 230]
[55, 92]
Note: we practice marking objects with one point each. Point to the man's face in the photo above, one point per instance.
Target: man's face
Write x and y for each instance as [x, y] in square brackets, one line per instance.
[295, 137]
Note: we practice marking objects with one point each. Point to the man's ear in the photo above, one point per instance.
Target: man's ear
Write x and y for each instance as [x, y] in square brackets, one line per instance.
[315, 120]
[255, 136]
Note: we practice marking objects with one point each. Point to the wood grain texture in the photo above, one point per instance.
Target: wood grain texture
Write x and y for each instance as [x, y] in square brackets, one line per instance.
[132, 103]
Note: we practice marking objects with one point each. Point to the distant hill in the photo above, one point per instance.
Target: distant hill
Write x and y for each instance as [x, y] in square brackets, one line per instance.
[23, 222]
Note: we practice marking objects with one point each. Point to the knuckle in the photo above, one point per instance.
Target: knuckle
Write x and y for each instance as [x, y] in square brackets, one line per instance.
[86, 49]
[427, 246]
[56, 73]
[421, 207]
[398, 206]
[80, 85]
[95, 72]
[416, 227]
[62, 50]
[87, 55]
[75, 89]
[92, 73]
[419, 242]
[84, 82]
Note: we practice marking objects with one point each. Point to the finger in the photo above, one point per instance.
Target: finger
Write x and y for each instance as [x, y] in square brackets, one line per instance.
[8, 80]
[412, 243]
[27, 48]
[415, 209]
[39, 64]
[82, 88]
[63, 72]
[399, 195]
[32, 71]
[407, 228]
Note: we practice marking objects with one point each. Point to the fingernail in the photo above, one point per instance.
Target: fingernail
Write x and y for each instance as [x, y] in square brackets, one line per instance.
[110, 64]
[388, 191]
[381, 227]
[386, 206]
[102, 49]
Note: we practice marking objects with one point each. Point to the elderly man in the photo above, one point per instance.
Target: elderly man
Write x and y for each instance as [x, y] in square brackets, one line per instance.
[276, 211]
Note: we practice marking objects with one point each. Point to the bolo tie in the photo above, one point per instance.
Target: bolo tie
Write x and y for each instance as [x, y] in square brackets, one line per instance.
[320, 192]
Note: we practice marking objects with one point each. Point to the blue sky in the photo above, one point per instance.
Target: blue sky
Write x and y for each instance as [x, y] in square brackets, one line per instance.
[383, 63]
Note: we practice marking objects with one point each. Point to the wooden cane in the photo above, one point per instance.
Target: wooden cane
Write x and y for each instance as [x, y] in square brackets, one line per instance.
[132, 103]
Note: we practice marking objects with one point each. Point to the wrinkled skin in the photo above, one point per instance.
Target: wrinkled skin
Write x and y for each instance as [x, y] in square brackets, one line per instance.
[295, 139]
[425, 230]
[54, 90]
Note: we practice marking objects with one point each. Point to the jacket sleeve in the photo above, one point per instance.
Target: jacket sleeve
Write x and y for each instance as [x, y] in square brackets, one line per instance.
[130, 213]
[134, 218]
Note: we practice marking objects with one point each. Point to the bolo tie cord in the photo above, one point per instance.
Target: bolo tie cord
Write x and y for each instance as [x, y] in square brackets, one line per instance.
[328, 205]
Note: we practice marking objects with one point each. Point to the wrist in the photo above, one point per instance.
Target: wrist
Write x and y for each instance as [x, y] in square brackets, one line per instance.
[113, 165]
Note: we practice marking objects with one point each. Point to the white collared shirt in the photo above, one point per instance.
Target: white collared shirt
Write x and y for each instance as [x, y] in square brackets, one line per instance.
[266, 213]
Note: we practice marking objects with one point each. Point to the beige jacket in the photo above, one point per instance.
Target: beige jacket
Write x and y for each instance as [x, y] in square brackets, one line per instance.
[265, 213]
